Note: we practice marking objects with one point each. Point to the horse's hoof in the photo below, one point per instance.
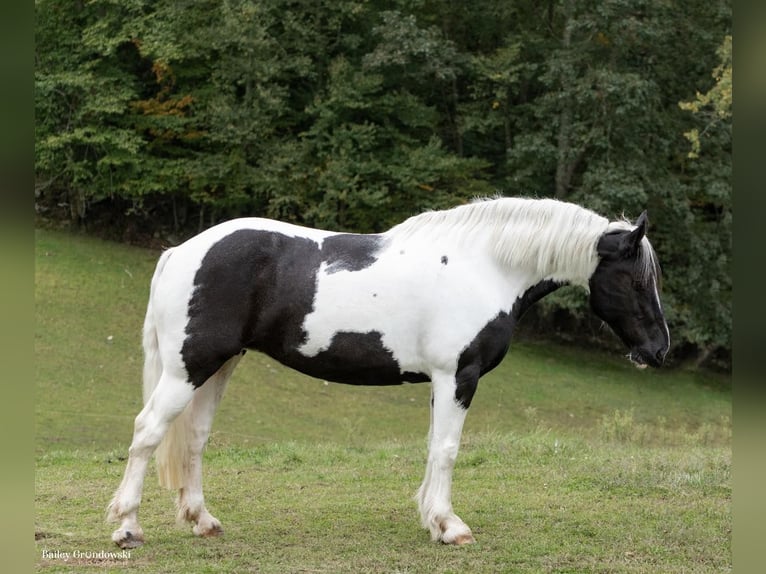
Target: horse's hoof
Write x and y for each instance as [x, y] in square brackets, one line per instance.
[127, 539]
[209, 531]
[462, 539]
[458, 535]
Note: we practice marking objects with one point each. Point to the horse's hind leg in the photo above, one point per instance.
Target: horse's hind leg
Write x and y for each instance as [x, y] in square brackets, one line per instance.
[169, 398]
[191, 502]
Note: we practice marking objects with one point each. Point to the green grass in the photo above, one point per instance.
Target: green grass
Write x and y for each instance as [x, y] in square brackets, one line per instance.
[571, 461]
[536, 504]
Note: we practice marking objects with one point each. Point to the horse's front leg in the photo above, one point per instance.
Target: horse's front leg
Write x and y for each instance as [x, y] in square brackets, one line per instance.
[435, 495]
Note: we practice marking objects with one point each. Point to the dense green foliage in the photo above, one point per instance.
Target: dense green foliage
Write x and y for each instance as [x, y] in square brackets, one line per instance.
[168, 116]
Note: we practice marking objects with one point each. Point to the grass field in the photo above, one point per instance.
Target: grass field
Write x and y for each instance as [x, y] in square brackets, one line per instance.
[571, 461]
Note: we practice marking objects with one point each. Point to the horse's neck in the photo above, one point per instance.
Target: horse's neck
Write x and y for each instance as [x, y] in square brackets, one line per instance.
[541, 263]
[545, 239]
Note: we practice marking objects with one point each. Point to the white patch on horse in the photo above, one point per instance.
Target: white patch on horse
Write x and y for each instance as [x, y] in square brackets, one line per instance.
[408, 298]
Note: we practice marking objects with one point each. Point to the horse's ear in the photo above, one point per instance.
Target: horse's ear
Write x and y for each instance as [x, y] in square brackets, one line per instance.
[631, 241]
[643, 222]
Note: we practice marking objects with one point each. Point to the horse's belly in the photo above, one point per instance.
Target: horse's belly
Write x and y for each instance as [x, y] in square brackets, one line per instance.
[353, 358]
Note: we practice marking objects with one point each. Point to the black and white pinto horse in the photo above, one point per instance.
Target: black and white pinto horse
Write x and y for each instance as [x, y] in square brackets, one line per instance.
[435, 298]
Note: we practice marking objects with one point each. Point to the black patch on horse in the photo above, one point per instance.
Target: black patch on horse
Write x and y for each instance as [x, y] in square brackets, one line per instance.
[350, 252]
[491, 344]
[254, 289]
[356, 359]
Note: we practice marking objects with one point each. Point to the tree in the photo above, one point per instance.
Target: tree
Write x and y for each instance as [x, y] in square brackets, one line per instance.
[84, 143]
[705, 319]
[714, 106]
[169, 116]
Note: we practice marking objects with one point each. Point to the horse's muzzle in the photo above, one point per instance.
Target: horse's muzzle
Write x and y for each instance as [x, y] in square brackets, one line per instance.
[642, 358]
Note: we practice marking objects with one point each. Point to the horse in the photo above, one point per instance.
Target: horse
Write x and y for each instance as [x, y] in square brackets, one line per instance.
[435, 298]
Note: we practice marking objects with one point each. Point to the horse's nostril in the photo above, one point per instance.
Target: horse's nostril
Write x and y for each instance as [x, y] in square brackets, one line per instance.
[661, 355]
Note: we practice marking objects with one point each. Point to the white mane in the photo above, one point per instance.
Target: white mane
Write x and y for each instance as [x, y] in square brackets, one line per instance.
[553, 239]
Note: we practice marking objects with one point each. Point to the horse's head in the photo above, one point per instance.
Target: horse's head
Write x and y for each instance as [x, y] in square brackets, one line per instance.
[624, 293]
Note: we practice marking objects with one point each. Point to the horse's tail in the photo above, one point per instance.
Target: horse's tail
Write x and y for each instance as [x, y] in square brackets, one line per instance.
[172, 453]
[152, 360]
